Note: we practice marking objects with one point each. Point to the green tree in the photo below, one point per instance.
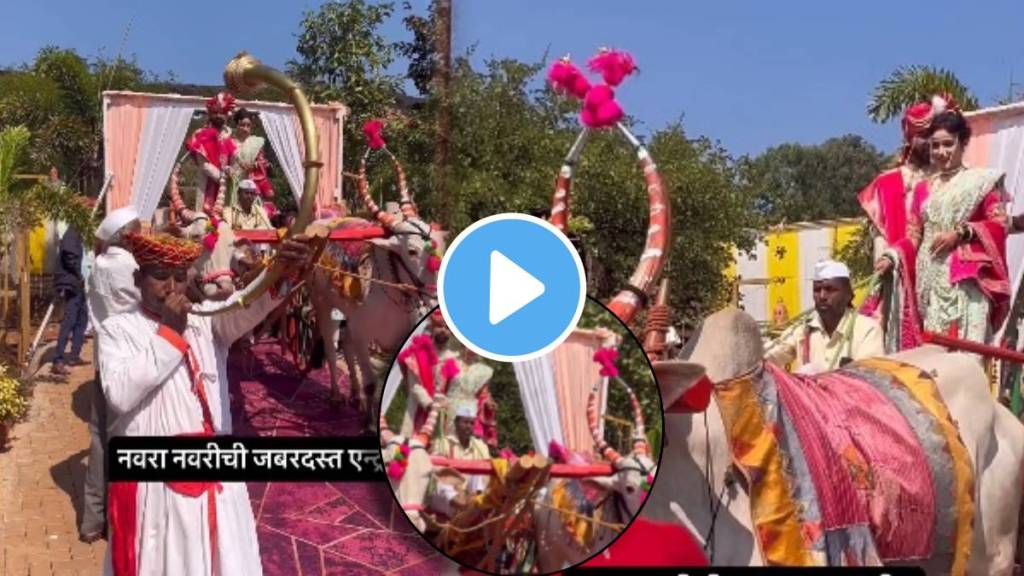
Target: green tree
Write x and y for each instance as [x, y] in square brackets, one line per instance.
[910, 84]
[793, 182]
[24, 204]
[344, 57]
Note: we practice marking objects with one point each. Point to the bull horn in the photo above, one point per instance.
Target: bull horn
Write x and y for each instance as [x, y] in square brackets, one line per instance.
[630, 300]
[639, 431]
[388, 220]
[600, 446]
[409, 209]
[245, 74]
[385, 433]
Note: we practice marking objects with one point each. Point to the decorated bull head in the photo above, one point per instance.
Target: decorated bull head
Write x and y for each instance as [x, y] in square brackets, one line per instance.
[417, 245]
[601, 111]
[634, 473]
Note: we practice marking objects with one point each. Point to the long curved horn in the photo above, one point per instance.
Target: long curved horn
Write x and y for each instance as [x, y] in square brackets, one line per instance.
[629, 301]
[244, 74]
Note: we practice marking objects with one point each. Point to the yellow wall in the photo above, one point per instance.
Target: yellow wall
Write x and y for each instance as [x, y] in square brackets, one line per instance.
[37, 248]
[843, 235]
[783, 255]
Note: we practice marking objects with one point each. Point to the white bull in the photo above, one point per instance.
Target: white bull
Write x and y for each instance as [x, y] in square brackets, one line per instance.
[387, 313]
[620, 496]
[728, 345]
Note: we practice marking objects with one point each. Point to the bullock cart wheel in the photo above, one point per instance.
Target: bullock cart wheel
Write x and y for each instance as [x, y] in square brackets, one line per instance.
[301, 330]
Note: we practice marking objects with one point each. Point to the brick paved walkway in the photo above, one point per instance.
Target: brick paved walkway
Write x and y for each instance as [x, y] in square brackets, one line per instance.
[41, 483]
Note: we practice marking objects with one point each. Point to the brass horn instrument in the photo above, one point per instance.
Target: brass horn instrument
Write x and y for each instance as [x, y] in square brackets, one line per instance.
[243, 75]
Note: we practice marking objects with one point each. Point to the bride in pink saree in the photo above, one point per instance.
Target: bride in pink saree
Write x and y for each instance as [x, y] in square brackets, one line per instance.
[958, 221]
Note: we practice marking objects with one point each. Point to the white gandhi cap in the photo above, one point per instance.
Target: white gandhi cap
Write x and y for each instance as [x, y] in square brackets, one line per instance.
[829, 269]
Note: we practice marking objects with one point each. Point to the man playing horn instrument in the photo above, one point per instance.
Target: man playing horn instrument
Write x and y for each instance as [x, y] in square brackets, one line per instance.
[164, 372]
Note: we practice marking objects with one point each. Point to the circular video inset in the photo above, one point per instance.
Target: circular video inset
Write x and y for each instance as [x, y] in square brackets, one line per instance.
[522, 467]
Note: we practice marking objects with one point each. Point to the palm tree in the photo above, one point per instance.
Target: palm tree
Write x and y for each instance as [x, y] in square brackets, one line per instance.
[910, 84]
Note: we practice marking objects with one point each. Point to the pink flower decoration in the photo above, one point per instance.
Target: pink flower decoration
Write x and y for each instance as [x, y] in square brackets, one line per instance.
[210, 241]
[396, 470]
[600, 110]
[404, 450]
[558, 452]
[433, 263]
[612, 65]
[373, 132]
[606, 357]
[566, 78]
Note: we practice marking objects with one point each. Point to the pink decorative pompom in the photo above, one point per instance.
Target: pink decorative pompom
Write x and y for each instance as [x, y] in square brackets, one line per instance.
[396, 470]
[612, 65]
[450, 369]
[433, 263]
[372, 130]
[405, 450]
[566, 78]
[557, 452]
[600, 110]
[210, 241]
[507, 454]
[606, 357]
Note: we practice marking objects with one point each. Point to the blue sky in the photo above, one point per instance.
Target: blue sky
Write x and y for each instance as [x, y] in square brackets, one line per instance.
[749, 74]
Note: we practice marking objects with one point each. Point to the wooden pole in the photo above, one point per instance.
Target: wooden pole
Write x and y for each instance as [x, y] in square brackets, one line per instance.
[442, 80]
[24, 293]
[484, 467]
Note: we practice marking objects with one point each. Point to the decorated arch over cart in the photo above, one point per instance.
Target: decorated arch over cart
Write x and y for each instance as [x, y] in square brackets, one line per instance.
[143, 135]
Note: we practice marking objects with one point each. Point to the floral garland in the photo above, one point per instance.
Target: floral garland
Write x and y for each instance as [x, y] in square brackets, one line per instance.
[397, 466]
[647, 483]
[433, 256]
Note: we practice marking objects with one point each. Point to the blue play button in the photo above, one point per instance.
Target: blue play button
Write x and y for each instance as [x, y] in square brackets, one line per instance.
[511, 287]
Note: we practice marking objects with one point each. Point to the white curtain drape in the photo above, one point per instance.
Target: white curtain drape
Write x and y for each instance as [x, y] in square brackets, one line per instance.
[1006, 152]
[163, 131]
[283, 132]
[536, 379]
[395, 375]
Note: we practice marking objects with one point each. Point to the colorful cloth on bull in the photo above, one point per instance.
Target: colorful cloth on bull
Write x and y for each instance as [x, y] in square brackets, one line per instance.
[855, 467]
[341, 260]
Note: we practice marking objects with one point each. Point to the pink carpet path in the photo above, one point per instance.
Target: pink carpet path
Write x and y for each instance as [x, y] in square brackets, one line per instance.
[328, 528]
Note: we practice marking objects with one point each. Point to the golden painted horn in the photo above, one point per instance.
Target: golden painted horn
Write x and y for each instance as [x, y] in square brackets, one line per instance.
[243, 75]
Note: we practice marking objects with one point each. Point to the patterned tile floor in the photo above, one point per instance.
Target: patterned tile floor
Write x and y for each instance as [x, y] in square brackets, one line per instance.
[319, 528]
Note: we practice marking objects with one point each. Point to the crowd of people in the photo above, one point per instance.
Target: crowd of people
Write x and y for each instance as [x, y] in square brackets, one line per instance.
[940, 261]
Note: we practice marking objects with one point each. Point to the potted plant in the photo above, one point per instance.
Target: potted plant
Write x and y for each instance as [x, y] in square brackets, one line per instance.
[12, 404]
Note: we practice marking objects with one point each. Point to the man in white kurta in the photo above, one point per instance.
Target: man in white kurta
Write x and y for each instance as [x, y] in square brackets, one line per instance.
[834, 335]
[110, 290]
[161, 370]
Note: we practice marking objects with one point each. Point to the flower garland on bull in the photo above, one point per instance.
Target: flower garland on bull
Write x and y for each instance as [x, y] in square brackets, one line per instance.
[601, 111]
